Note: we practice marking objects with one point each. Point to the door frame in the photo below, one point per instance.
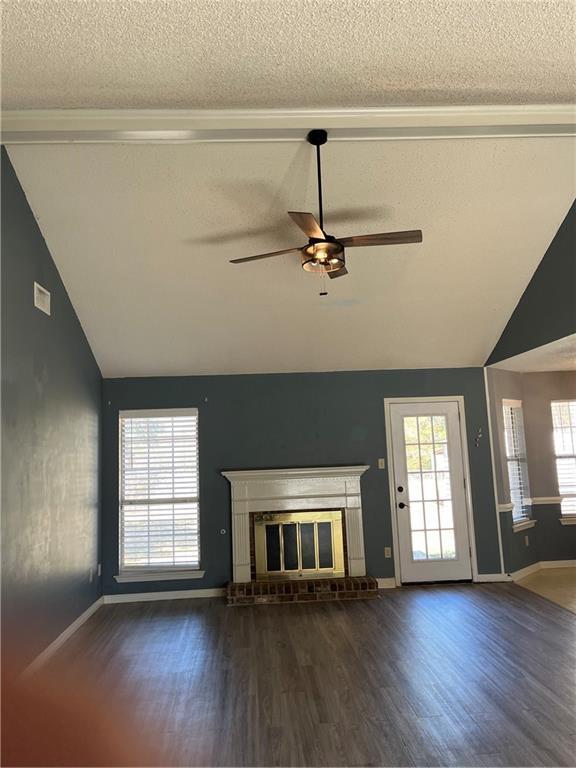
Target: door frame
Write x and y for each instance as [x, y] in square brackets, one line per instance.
[459, 399]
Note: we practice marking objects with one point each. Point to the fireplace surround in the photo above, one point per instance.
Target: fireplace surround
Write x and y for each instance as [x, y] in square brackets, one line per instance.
[259, 492]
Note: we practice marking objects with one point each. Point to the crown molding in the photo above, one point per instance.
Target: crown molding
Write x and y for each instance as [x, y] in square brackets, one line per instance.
[235, 125]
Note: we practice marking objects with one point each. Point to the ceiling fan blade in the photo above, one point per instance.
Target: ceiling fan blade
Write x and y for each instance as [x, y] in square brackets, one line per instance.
[307, 224]
[263, 256]
[338, 273]
[384, 238]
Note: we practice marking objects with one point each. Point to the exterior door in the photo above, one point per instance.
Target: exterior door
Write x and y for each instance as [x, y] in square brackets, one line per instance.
[429, 492]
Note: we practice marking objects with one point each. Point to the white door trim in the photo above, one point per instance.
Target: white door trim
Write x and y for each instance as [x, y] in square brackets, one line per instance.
[491, 439]
[459, 399]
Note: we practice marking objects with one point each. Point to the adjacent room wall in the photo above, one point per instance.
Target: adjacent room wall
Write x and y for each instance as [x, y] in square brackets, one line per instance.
[51, 397]
[548, 539]
[538, 391]
[547, 309]
[293, 420]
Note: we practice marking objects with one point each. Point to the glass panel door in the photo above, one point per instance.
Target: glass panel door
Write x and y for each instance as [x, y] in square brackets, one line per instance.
[430, 496]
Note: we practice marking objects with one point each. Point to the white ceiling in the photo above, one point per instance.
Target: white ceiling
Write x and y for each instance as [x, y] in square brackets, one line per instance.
[142, 236]
[267, 53]
[559, 355]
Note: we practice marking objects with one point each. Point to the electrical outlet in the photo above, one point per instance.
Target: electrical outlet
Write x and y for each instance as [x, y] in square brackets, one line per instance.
[387, 551]
[381, 464]
[527, 540]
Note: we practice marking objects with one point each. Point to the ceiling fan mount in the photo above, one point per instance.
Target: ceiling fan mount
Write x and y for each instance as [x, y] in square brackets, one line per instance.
[324, 253]
[317, 137]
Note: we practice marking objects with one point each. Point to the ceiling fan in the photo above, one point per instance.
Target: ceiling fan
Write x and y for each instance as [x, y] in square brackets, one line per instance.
[325, 253]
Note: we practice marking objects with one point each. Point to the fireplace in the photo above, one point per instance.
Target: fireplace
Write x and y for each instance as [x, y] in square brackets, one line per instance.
[291, 500]
[296, 545]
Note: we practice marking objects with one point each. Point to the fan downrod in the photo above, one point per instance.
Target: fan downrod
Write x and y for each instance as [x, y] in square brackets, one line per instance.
[317, 137]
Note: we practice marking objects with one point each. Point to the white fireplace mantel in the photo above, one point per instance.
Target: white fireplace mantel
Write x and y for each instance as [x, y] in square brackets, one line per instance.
[291, 490]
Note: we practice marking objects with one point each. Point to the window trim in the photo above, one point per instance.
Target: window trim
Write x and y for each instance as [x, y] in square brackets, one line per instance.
[565, 518]
[129, 575]
[141, 573]
[522, 524]
[522, 519]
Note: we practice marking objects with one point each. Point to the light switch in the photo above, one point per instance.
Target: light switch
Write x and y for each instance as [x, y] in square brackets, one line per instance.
[381, 463]
[387, 551]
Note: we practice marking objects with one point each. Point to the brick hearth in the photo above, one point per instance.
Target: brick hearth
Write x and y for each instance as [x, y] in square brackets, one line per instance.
[302, 591]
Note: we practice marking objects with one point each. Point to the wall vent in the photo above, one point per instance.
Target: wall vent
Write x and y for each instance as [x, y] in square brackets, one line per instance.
[41, 298]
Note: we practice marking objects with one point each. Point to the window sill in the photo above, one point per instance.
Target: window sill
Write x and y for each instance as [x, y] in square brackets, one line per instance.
[183, 575]
[568, 520]
[522, 525]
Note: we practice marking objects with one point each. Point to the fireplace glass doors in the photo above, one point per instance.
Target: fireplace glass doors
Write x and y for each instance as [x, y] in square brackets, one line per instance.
[297, 545]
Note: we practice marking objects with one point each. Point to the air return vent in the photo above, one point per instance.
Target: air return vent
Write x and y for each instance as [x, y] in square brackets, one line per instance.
[41, 298]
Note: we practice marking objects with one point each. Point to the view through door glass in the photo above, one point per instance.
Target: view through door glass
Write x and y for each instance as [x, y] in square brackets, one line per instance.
[429, 487]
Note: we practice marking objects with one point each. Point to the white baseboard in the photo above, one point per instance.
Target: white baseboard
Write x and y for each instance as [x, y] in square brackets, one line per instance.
[491, 577]
[48, 652]
[557, 563]
[517, 575]
[176, 594]
[386, 583]
[540, 565]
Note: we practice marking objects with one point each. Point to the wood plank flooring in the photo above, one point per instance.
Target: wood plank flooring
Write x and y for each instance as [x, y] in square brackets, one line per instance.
[456, 675]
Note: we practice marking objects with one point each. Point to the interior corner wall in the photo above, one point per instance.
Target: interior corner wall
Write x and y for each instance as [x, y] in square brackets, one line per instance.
[548, 539]
[502, 385]
[51, 413]
[294, 420]
[546, 311]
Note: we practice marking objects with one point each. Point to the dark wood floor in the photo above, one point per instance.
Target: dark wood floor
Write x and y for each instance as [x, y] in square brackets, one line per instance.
[456, 675]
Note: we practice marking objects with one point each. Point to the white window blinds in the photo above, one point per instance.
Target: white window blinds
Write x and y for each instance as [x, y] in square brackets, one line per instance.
[159, 496]
[516, 457]
[564, 425]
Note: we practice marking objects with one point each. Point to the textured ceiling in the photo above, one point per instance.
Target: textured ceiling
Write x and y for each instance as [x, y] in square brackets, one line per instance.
[142, 236]
[296, 53]
[558, 356]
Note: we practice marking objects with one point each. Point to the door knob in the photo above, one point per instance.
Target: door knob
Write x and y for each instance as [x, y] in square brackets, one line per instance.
[402, 505]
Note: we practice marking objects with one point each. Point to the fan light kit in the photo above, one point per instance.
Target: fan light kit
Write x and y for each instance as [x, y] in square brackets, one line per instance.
[324, 253]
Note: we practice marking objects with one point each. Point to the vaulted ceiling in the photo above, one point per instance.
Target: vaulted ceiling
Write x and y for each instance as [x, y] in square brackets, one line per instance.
[143, 234]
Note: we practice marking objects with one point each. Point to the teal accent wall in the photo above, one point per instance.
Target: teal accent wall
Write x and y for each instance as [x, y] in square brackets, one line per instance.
[547, 309]
[51, 398]
[554, 540]
[548, 540]
[517, 554]
[293, 420]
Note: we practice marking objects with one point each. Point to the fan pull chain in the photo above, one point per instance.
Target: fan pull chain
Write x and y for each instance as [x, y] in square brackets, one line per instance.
[323, 291]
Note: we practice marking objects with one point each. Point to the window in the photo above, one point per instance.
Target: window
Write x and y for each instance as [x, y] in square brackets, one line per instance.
[159, 498]
[564, 424]
[516, 457]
